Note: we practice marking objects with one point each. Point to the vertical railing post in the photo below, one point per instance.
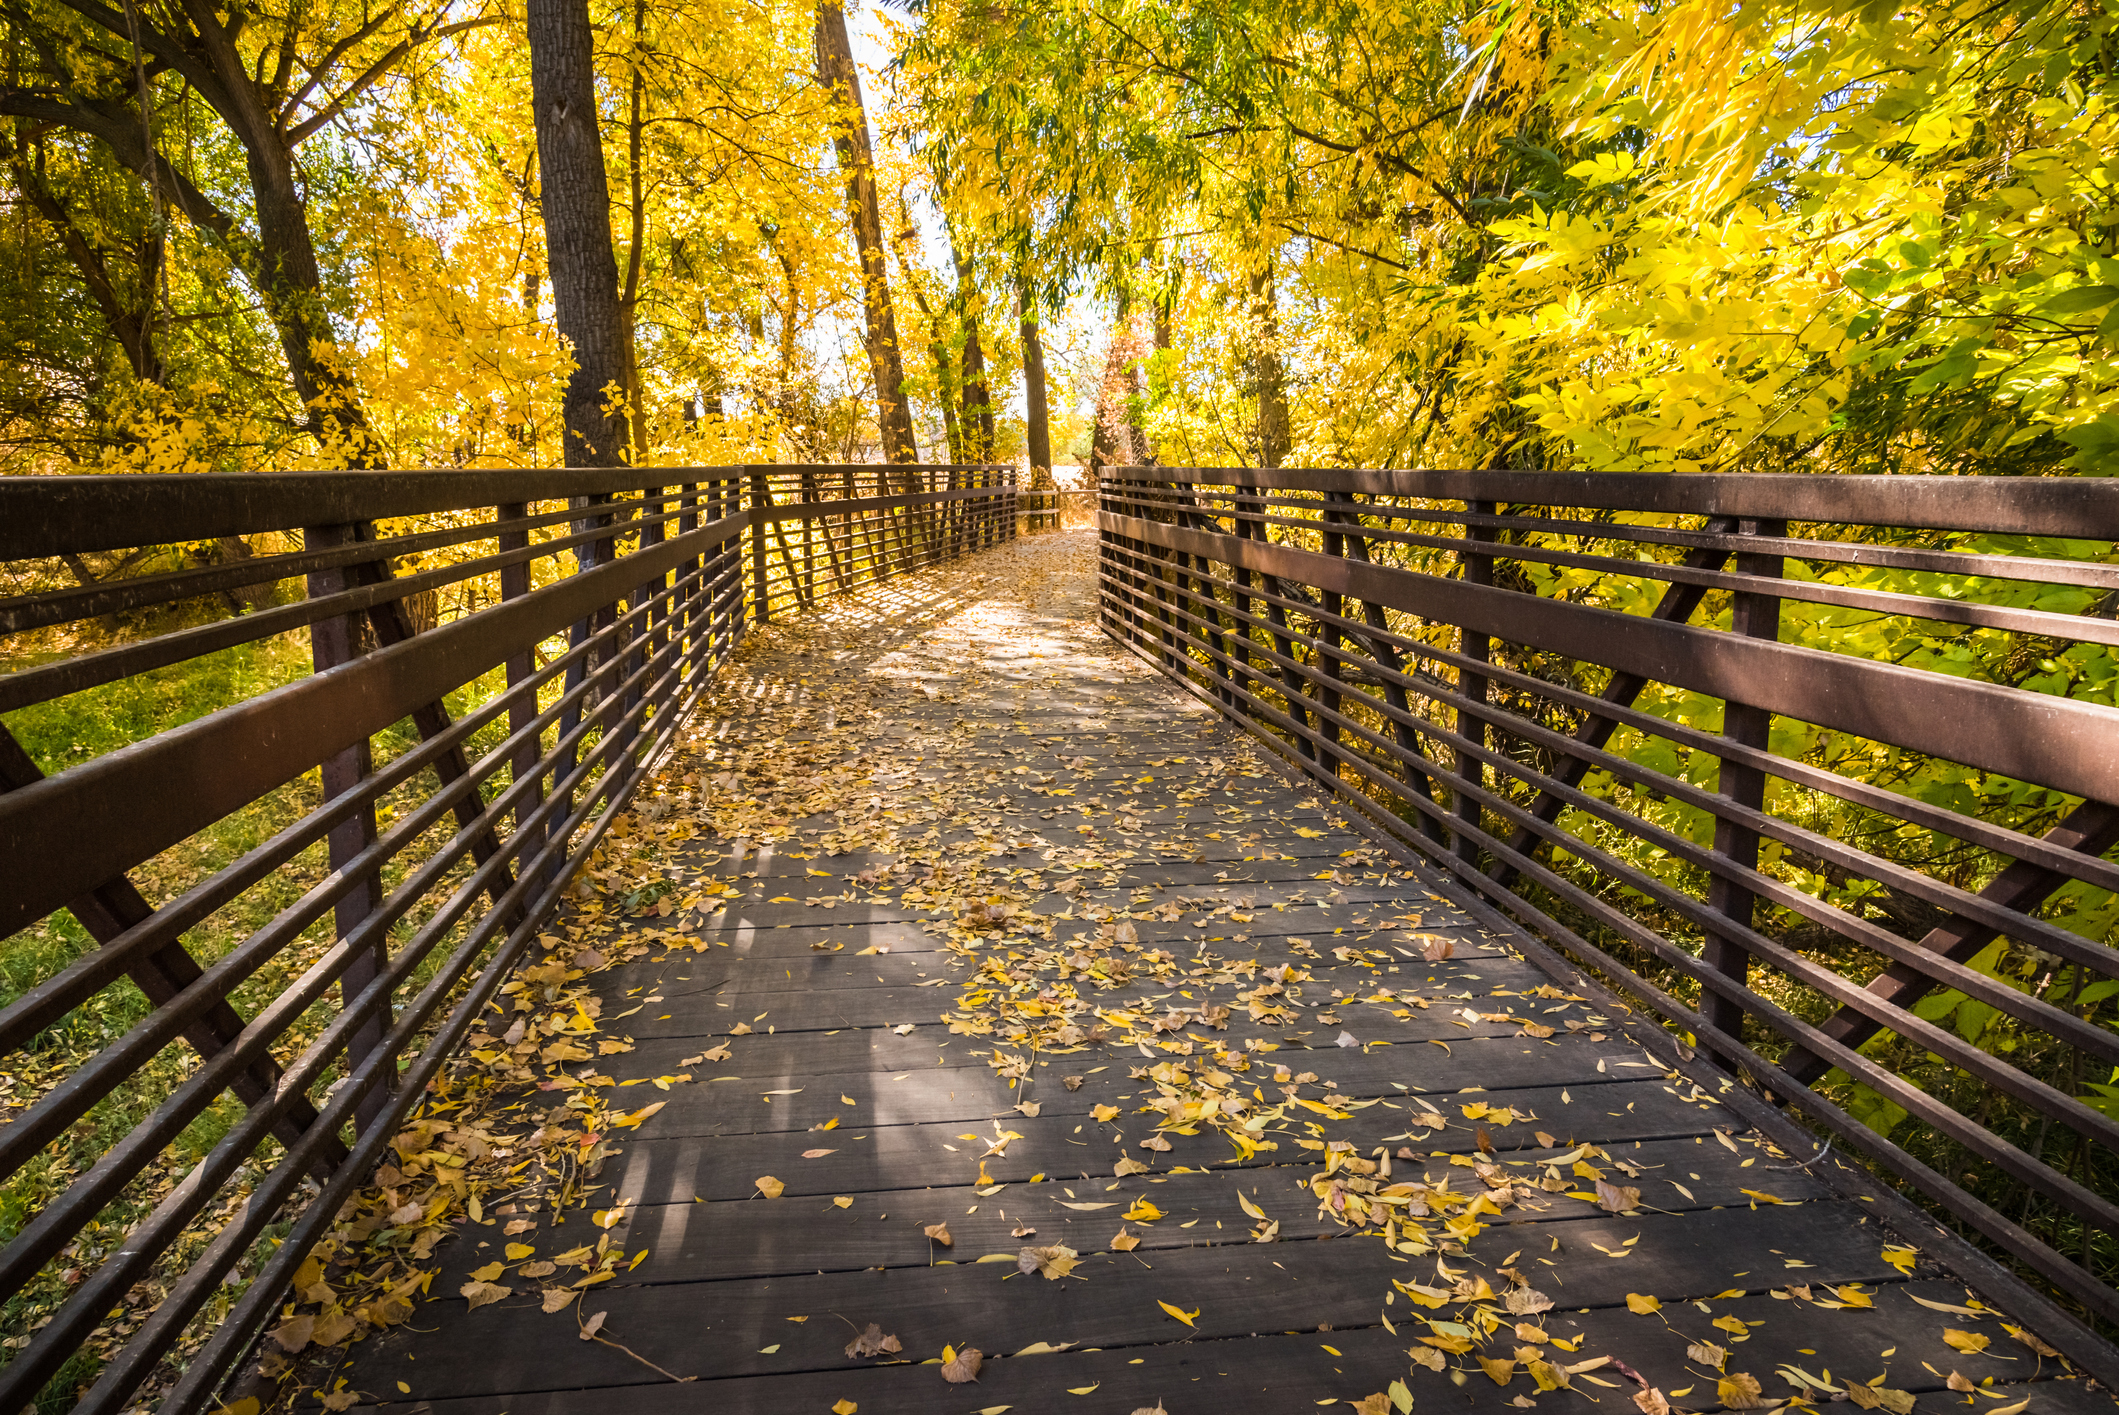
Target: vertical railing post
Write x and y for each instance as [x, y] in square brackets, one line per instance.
[522, 704]
[760, 500]
[1755, 616]
[1478, 570]
[332, 642]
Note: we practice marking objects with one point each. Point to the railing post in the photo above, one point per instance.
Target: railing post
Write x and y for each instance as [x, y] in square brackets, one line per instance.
[333, 642]
[522, 706]
[760, 499]
[1755, 616]
[1478, 570]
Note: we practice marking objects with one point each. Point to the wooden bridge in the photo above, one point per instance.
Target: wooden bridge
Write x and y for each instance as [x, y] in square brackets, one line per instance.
[818, 950]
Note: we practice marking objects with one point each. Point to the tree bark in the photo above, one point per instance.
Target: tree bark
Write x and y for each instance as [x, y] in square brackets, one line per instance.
[1268, 371]
[978, 401]
[837, 76]
[576, 200]
[1039, 415]
[635, 255]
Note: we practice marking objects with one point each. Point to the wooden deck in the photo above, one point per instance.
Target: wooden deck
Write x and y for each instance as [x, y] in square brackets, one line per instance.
[1070, 870]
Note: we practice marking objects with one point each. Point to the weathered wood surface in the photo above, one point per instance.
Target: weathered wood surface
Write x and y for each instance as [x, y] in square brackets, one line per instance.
[992, 692]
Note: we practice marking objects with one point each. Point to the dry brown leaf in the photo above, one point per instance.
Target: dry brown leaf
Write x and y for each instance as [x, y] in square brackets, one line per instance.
[873, 1343]
[1429, 1357]
[939, 1232]
[1501, 1369]
[484, 1293]
[1707, 1354]
[1617, 1198]
[1128, 1165]
[1125, 1242]
[1434, 948]
[1524, 1301]
[593, 1325]
[964, 1366]
[1652, 1401]
[558, 1299]
[1377, 1404]
[295, 1333]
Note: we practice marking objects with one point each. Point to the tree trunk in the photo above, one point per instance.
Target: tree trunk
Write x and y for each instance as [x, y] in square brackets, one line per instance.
[636, 190]
[836, 73]
[1268, 371]
[577, 226]
[1040, 423]
[978, 402]
[1111, 443]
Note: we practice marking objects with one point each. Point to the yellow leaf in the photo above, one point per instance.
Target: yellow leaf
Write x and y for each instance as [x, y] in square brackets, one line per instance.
[487, 1273]
[770, 1187]
[1642, 1305]
[518, 1251]
[1972, 1343]
[1250, 1208]
[842, 1202]
[1082, 1390]
[1901, 1258]
[1143, 1212]
[1179, 1313]
[1102, 1113]
[844, 1407]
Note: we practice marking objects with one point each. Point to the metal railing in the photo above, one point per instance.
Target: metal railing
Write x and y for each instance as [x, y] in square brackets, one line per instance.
[457, 679]
[1823, 772]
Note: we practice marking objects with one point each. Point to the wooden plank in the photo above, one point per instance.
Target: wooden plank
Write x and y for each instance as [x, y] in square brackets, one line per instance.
[741, 1327]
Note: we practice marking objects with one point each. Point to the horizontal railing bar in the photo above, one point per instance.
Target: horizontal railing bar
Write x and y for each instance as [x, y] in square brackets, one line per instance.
[2000, 839]
[93, 670]
[48, 516]
[2094, 574]
[146, 591]
[2050, 741]
[2082, 627]
[1956, 901]
[271, 738]
[2063, 507]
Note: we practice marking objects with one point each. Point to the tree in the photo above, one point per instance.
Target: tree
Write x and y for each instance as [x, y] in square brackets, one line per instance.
[576, 202]
[849, 130]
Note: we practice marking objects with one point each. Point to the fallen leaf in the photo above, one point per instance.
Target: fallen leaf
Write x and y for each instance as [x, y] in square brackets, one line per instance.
[964, 1366]
[1054, 1262]
[873, 1343]
[843, 1407]
[1643, 1305]
[939, 1232]
[484, 1293]
[1128, 1165]
[1616, 1198]
[817, 1154]
[593, 1325]
[1125, 1242]
[1031, 1108]
[1652, 1401]
[1499, 1369]
[1524, 1301]
[294, 1333]
[1895, 1402]
[1740, 1392]
[1183, 1316]
[1707, 1354]
[1377, 1404]
[770, 1187]
[558, 1299]
[1971, 1343]
[842, 1202]
[1102, 1113]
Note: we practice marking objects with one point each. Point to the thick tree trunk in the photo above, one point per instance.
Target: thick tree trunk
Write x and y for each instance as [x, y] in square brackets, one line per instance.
[577, 226]
[1268, 371]
[635, 255]
[1039, 417]
[836, 73]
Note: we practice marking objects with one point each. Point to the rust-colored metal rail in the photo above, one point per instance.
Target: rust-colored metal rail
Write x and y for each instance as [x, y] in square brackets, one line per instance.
[576, 613]
[1874, 886]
